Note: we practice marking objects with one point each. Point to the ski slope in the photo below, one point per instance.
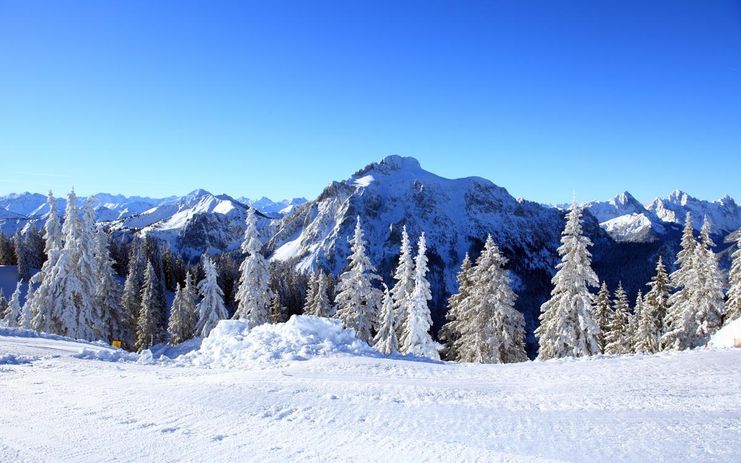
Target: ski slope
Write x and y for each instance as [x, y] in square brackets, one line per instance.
[668, 407]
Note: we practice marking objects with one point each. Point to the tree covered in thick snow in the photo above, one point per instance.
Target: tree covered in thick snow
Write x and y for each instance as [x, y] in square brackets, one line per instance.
[618, 338]
[317, 296]
[150, 329]
[89, 315]
[253, 295]
[23, 256]
[41, 304]
[357, 299]
[416, 338]
[567, 325]
[3, 304]
[386, 341]
[602, 313]
[493, 331]
[12, 315]
[131, 298]
[25, 320]
[455, 321]
[645, 338]
[108, 291]
[656, 301]
[183, 313]
[211, 309]
[733, 304]
[404, 276]
[710, 298]
[680, 322]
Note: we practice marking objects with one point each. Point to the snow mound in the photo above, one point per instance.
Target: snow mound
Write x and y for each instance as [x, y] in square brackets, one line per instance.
[107, 355]
[16, 359]
[233, 344]
[728, 336]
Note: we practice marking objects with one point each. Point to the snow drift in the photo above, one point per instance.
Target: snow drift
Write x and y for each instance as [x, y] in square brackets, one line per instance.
[728, 335]
[233, 344]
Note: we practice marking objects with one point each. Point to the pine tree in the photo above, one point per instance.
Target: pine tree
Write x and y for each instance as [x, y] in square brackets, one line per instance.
[646, 337]
[602, 313]
[385, 340]
[22, 257]
[26, 311]
[318, 304]
[710, 301]
[90, 325]
[618, 338]
[493, 330]
[211, 309]
[182, 323]
[277, 310]
[40, 302]
[415, 338]
[311, 289]
[567, 326]
[733, 304]
[404, 277]
[680, 321]
[3, 303]
[451, 331]
[108, 292]
[253, 296]
[12, 315]
[357, 300]
[131, 298]
[150, 330]
[656, 301]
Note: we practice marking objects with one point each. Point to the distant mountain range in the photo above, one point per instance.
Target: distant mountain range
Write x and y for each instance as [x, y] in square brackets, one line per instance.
[456, 215]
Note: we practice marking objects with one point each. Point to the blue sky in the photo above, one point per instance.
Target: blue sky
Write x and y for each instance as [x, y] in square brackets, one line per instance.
[278, 98]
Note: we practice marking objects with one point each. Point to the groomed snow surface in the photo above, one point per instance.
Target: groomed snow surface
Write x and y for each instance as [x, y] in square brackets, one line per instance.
[308, 390]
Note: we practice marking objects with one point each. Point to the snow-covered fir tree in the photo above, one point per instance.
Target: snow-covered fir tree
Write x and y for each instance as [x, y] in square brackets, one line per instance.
[26, 311]
[182, 323]
[618, 339]
[253, 295]
[89, 324]
[278, 311]
[23, 257]
[150, 330]
[311, 289]
[41, 303]
[602, 313]
[211, 309]
[3, 304]
[108, 291]
[493, 331]
[404, 277]
[567, 325]
[12, 315]
[710, 298]
[357, 299]
[416, 338]
[733, 304]
[318, 304]
[132, 293]
[656, 301]
[645, 338]
[386, 341]
[454, 325]
[680, 321]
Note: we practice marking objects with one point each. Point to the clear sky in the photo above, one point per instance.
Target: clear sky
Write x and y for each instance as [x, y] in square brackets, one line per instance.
[278, 98]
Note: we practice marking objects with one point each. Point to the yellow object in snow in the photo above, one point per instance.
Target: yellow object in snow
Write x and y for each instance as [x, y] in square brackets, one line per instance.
[116, 343]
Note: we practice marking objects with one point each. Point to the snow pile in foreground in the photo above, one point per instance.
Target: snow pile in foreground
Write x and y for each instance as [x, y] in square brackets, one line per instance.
[233, 344]
[728, 335]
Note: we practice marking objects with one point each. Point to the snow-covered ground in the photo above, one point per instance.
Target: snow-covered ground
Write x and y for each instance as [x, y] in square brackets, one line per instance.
[60, 405]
